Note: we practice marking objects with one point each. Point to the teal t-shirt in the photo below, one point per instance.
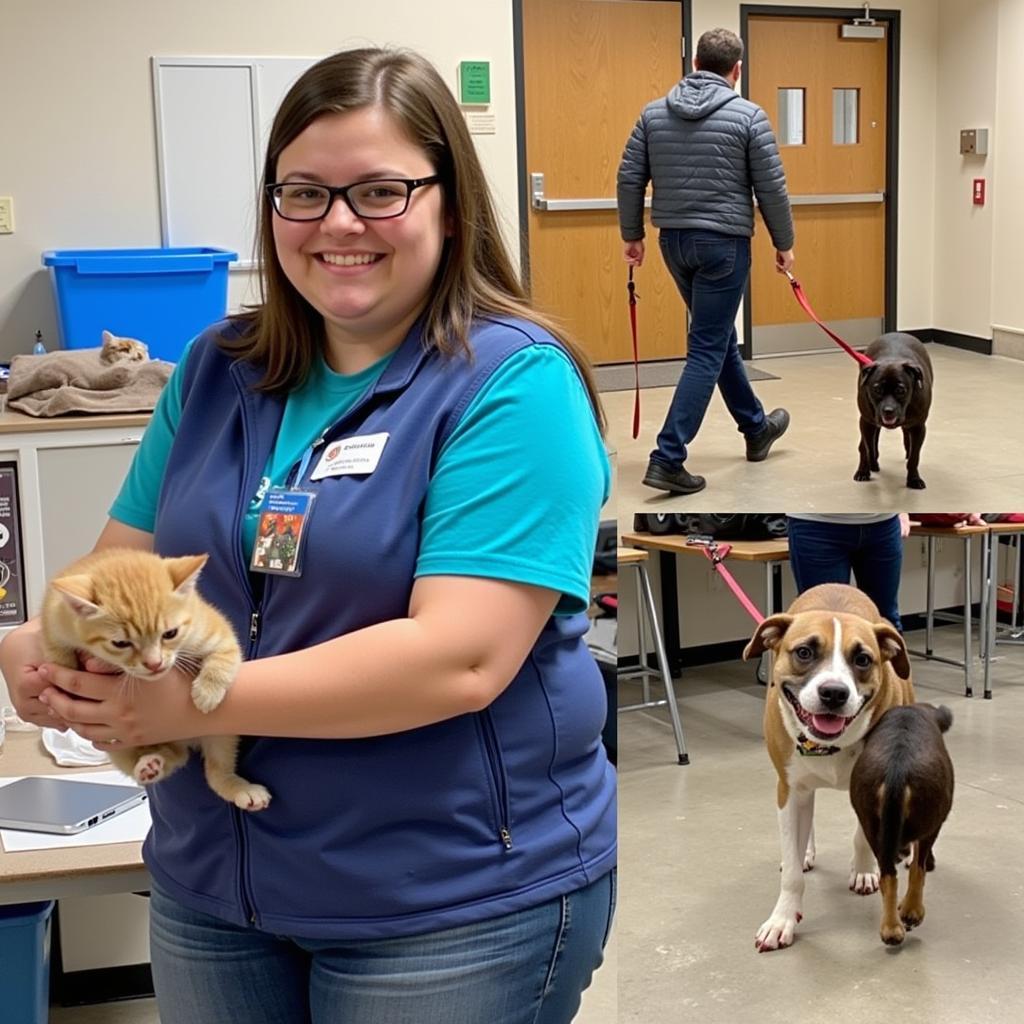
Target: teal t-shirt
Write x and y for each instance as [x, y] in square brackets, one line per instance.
[489, 511]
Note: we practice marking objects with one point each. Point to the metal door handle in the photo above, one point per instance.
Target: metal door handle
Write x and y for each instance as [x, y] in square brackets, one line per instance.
[539, 202]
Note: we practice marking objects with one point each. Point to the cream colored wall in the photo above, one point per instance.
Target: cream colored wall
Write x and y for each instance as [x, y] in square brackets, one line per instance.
[918, 67]
[1007, 173]
[966, 98]
[78, 151]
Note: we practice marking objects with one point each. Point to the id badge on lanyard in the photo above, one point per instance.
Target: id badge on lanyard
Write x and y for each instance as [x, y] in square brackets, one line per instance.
[281, 527]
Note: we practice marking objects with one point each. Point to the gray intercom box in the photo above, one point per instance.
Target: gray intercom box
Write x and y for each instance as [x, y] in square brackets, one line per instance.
[974, 140]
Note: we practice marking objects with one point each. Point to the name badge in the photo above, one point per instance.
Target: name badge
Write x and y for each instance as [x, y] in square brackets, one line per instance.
[281, 532]
[351, 456]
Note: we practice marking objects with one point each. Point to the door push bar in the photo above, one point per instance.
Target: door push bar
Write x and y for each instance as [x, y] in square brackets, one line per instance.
[539, 202]
[850, 197]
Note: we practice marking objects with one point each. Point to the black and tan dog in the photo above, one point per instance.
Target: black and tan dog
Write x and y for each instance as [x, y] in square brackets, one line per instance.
[894, 391]
[902, 790]
[838, 667]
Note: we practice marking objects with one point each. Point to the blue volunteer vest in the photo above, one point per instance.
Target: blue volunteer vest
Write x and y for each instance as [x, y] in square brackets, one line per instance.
[461, 821]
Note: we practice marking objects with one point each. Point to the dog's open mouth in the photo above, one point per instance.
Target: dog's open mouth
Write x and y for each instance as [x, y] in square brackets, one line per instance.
[890, 419]
[821, 726]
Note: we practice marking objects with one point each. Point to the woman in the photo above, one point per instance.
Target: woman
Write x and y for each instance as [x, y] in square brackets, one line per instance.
[441, 839]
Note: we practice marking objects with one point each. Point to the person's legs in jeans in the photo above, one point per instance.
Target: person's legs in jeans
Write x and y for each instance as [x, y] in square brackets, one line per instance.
[206, 971]
[528, 967]
[710, 270]
[877, 563]
[820, 552]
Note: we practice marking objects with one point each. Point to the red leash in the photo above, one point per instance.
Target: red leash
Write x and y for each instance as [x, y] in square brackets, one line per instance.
[802, 299]
[631, 288]
[716, 553]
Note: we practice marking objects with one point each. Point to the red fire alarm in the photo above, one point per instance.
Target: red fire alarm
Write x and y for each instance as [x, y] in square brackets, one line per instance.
[979, 191]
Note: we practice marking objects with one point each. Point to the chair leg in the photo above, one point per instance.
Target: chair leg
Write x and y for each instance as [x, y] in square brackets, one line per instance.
[666, 675]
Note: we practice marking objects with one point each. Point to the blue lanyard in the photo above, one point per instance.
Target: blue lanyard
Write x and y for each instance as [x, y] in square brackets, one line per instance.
[304, 462]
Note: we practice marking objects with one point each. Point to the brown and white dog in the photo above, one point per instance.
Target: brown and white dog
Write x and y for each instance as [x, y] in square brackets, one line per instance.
[838, 667]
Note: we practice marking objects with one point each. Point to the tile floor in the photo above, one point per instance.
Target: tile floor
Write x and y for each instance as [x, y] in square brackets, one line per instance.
[970, 457]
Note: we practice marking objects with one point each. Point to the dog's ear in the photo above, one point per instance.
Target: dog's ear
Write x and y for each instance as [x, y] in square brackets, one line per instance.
[916, 372]
[893, 648]
[867, 372]
[767, 635]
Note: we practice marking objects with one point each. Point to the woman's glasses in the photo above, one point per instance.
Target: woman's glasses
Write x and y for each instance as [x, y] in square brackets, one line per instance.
[372, 200]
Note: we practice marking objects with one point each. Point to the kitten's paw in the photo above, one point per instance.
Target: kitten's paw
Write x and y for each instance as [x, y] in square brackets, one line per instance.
[149, 768]
[252, 797]
[206, 698]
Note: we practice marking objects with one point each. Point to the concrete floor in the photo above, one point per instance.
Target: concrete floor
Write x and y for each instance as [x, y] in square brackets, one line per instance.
[970, 456]
[700, 869]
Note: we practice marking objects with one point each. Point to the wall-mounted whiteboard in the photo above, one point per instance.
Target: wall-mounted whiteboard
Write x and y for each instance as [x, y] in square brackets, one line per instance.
[213, 117]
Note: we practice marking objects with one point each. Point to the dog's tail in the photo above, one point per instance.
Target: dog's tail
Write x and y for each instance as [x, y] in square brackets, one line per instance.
[895, 804]
[943, 718]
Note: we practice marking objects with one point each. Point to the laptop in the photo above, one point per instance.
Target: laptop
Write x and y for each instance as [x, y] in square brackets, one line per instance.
[64, 806]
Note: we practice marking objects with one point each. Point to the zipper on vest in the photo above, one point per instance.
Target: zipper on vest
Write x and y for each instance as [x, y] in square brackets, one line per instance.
[499, 782]
[254, 626]
[248, 909]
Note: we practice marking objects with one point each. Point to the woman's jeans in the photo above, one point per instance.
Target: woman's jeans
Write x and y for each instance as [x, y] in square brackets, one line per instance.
[710, 269]
[828, 552]
[529, 967]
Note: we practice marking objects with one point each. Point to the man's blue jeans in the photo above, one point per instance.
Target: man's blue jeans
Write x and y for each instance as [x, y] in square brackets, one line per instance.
[710, 269]
[829, 552]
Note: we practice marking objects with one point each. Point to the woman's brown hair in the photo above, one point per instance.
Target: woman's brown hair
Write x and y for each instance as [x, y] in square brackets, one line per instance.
[476, 277]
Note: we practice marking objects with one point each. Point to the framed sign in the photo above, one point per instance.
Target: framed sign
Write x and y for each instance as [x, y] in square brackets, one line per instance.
[12, 576]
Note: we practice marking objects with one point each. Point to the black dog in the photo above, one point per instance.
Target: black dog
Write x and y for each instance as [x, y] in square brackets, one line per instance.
[902, 789]
[894, 391]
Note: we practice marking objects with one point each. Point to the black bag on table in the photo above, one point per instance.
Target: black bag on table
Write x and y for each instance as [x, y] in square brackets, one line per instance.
[725, 526]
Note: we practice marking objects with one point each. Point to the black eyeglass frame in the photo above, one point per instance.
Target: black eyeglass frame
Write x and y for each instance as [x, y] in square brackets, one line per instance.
[334, 193]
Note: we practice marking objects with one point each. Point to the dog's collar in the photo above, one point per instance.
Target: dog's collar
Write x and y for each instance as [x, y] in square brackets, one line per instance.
[807, 747]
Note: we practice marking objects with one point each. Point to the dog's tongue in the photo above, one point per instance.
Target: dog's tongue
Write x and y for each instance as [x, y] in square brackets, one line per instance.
[828, 725]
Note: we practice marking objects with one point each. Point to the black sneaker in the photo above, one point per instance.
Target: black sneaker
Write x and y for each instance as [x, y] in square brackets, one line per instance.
[681, 482]
[760, 445]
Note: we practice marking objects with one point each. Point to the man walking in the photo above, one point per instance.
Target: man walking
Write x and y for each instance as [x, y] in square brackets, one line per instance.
[708, 152]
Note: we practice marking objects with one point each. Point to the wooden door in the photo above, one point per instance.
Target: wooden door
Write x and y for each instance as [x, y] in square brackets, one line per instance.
[590, 66]
[835, 160]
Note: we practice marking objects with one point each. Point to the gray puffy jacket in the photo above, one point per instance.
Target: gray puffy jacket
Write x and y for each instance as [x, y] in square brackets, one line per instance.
[708, 151]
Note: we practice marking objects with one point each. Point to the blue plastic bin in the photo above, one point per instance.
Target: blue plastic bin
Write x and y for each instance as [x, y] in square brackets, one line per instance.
[163, 297]
[25, 963]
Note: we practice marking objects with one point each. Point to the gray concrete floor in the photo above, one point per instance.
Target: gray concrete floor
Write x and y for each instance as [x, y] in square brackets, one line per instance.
[700, 869]
[970, 457]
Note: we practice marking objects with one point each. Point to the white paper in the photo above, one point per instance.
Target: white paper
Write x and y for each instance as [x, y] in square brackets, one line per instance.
[129, 827]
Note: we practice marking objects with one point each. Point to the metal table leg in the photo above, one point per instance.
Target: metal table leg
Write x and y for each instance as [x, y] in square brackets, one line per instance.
[929, 622]
[992, 546]
[968, 691]
[659, 646]
[641, 640]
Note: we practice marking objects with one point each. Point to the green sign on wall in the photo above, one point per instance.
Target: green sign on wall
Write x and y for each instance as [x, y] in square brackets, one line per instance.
[475, 81]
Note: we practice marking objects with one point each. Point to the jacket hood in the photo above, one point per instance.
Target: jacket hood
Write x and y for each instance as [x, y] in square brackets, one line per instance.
[699, 94]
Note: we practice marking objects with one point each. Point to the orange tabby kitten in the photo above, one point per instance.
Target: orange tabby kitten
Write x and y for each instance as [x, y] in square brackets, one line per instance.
[141, 613]
[128, 350]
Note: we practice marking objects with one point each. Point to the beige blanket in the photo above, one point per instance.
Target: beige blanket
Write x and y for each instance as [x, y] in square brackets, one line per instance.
[74, 380]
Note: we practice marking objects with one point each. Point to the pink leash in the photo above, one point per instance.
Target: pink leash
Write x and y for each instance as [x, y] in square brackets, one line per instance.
[716, 553]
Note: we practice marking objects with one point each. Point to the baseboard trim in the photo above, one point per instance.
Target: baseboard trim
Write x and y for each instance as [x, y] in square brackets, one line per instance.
[969, 342]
